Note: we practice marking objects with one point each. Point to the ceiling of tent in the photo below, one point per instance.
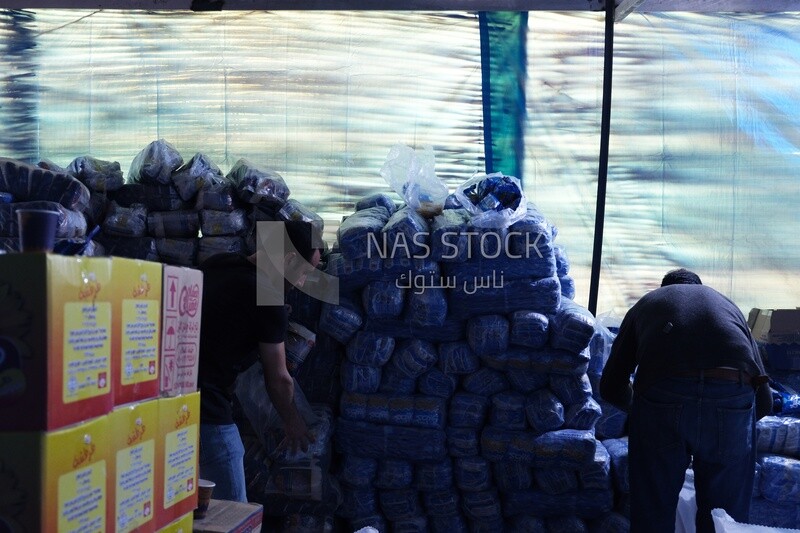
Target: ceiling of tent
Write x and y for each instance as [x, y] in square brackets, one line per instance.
[623, 6]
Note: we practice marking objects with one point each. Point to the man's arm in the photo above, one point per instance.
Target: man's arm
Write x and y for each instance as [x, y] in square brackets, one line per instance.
[615, 383]
[280, 387]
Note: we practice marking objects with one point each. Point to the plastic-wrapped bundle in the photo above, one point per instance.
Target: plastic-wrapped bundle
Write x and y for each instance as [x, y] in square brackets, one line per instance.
[382, 299]
[451, 330]
[532, 231]
[771, 514]
[360, 378]
[355, 274]
[567, 286]
[544, 411]
[564, 448]
[485, 382]
[571, 327]
[618, 450]
[457, 358]
[508, 410]
[377, 200]
[587, 504]
[562, 263]
[414, 357]
[394, 474]
[555, 480]
[542, 295]
[779, 435]
[406, 233]
[370, 349]
[340, 321]
[527, 381]
[126, 221]
[358, 471]
[488, 334]
[213, 223]
[427, 307]
[570, 389]
[395, 381]
[294, 210]
[197, 174]
[376, 522]
[416, 411]
[305, 523]
[431, 477]
[358, 502]
[49, 165]
[582, 415]
[132, 247]
[472, 474]
[70, 225]
[462, 442]
[597, 474]
[155, 163]
[566, 524]
[780, 479]
[548, 360]
[412, 524]
[96, 211]
[528, 524]
[528, 328]
[173, 224]
[468, 410]
[359, 235]
[493, 200]
[399, 504]
[153, 197]
[611, 523]
[209, 246]
[757, 481]
[217, 197]
[483, 506]
[98, 175]
[408, 272]
[27, 183]
[488, 267]
[436, 383]
[512, 476]
[254, 185]
[393, 442]
[600, 349]
[182, 252]
[441, 503]
[450, 239]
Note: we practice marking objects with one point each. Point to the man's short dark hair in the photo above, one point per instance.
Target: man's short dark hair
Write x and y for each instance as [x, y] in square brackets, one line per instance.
[680, 276]
[305, 237]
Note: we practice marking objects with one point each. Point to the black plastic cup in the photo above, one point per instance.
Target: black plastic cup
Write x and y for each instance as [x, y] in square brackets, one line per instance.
[37, 229]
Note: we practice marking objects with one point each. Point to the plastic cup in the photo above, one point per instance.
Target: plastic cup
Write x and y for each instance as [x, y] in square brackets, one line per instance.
[37, 229]
[204, 490]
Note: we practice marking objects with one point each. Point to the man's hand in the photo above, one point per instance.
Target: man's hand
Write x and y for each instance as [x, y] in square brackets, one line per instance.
[298, 436]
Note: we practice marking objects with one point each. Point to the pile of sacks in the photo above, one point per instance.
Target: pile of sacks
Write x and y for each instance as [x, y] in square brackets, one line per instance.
[466, 401]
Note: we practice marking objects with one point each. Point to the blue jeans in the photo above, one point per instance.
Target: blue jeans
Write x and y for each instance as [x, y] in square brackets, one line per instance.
[708, 422]
[222, 461]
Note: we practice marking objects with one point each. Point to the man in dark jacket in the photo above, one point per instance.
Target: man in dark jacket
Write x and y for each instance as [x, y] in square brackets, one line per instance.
[699, 387]
[235, 326]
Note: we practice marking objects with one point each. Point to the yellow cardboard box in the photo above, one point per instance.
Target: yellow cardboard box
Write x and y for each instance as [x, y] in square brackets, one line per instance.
[55, 336]
[136, 329]
[177, 455]
[56, 480]
[180, 338]
[132, 473]
[183, 524]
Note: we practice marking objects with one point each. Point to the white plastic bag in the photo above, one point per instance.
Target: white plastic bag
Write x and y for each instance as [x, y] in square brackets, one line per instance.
[723, 523]
[486, 197]
[412, 174]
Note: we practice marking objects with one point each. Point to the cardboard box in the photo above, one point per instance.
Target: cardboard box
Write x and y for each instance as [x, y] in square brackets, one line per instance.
[136, 333]
[177, 455]
[183, 524]
[132, 472]
[778, 332]
[55, 334]
[57, 480]
[180, 338]
[231, 517]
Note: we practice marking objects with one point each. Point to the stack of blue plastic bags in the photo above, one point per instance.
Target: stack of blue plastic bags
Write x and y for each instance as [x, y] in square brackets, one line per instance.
[466, 400]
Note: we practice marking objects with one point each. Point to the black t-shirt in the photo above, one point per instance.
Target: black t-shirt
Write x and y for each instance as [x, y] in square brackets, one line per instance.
[232, 327]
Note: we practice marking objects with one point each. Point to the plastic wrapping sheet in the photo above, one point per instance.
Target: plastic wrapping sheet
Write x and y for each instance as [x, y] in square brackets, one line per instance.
[155, 163]
[96, 174]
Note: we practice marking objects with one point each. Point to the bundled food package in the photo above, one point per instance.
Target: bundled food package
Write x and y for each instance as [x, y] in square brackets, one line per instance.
[155, 163]
[176, 251]
[217, 197]
[217, 223]
[199, 173]
[27, 183]
[71, 224]
[96, 174]
[125, 221]
[254, 185]
[295, 210]
[182, 224]
[154, 197]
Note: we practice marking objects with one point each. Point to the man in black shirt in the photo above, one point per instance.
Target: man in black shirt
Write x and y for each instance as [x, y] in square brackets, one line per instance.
[234, 328]
[692, 401]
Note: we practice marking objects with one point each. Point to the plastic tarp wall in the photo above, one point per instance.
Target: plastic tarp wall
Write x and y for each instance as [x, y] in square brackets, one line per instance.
[704, 157]
[319, 97]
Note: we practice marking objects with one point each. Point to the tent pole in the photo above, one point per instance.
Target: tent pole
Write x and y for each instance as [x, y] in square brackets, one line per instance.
[602, 174]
